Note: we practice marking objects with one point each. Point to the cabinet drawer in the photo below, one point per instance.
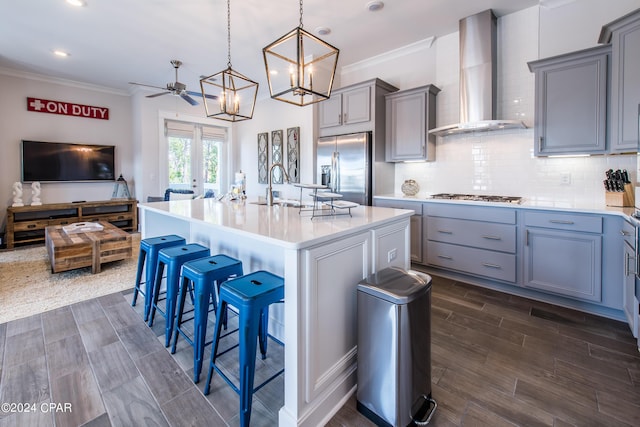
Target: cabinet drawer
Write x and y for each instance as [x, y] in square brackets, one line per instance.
[30, 225]
[628, 232]
[561, 221]
[480, 262]
[416, 207]
[477, 213]
[483, 235]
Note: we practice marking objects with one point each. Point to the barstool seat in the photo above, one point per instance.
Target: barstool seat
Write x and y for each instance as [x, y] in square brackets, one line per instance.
[251, 295]
[173, 258]
[149, 249]
[202, 274]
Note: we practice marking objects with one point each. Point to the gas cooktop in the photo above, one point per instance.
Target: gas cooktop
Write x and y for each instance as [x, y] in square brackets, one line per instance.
[478, 198]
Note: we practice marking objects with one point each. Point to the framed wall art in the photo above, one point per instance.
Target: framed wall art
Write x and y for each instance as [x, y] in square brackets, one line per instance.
[263, 157]
[293, 154]
[276, 156]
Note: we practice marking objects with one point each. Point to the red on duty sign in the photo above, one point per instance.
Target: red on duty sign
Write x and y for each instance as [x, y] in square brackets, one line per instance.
[67, 108]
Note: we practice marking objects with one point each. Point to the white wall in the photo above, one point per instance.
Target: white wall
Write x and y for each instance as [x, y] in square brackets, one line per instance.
[16, 124]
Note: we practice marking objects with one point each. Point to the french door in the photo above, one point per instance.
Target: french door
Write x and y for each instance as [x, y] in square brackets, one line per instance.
[193, 156]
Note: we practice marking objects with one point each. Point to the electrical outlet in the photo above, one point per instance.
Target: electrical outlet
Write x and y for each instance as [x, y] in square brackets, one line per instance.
[565, 178]
[393, 254]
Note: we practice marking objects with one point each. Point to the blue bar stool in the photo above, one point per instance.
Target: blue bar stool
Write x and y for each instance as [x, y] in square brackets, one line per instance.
[173, 258]
[202, 273]
[149, 249]
[251, 295]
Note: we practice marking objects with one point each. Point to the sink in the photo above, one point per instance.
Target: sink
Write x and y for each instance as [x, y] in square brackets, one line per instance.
[281, 202]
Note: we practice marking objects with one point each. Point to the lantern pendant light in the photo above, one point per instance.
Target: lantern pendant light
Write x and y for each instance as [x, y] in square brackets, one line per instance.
[300, 67]
[229, 95]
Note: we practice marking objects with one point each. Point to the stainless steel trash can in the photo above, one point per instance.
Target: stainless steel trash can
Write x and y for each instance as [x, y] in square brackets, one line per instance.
[394, 348]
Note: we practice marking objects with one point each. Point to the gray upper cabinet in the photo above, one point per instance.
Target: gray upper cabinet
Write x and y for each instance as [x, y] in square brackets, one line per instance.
[409, 115]
[571, 101]
[624, 36]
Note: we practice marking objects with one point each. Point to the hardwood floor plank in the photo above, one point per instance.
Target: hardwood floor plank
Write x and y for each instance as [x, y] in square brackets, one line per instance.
[112, 366]
[139, 340]
[25, 382]
[58, 324]
[122, 315]
[78, 389]
[628, 358]
[620, 407]
[66, 355]
[192, 409]
[97, 333]
[492, 329]
[479, 416]
[599, 366]
[556, 345]
[22, 347]
[26, 324]
[86, 311]
[613, 343]
[596, 380]
[349, 416]
[163, 375]
[100, 421]
[132, 404]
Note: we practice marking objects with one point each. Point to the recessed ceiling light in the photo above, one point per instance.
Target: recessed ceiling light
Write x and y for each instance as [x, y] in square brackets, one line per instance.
[323, 31]
[375, 5]
[61, 53]
[77, 3]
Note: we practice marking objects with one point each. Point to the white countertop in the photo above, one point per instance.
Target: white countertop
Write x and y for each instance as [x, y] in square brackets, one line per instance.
[284, 226]
[527, 203]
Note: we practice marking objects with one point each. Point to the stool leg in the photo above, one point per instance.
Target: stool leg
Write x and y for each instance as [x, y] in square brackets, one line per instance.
[200, 317]
[182, 294]
[173, 277]
[215, 304]
[141, 257]
[222, 307]
[156, 291]
[263, 330]
[248, 331]
[152, 259]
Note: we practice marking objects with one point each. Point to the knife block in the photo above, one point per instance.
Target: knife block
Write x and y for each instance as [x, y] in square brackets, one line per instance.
[624, 198]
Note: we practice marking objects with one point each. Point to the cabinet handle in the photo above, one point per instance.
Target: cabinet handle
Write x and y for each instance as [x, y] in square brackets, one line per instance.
[624, 233]
[445, 231]
[31, 226]
[560, 221]
[526, 237]
[444, 257]
[492, 237]
[627, 258]
[339, 119]
[488, 265]
[540, 144]
[344, 120]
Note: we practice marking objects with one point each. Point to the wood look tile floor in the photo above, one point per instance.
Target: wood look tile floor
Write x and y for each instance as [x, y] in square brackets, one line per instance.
[497, 360]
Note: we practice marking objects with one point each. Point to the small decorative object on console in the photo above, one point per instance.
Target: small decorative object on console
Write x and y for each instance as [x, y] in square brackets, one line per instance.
[121, 189]
[410, 187]
[35, 194]
[17, 194]
[82, 227]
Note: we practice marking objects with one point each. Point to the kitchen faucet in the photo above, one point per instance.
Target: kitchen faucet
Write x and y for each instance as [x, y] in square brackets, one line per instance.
[270, 191]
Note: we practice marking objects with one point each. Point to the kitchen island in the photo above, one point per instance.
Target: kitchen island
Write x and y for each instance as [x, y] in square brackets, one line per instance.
[321, 259]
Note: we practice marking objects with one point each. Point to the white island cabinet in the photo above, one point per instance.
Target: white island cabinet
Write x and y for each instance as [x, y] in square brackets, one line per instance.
[322, 260]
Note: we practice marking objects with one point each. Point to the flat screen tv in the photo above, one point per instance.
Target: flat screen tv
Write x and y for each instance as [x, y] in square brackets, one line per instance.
[60, 162]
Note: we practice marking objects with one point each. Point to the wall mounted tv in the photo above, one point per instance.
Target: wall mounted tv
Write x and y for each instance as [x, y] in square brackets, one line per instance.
[63, 162]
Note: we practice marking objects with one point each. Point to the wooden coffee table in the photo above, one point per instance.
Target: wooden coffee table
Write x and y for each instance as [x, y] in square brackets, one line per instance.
[68, 251]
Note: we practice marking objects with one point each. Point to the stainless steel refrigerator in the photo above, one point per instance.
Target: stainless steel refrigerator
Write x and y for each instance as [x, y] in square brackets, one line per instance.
[344, 165]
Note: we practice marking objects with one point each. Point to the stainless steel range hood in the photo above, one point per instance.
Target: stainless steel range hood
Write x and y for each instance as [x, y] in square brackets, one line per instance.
[478, 66]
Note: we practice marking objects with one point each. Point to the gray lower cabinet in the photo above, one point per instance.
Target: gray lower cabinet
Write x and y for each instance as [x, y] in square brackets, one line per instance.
[475, 240]
[571, 101]
[624, 36]
[415, 223]
[563, 254]
[629, 301]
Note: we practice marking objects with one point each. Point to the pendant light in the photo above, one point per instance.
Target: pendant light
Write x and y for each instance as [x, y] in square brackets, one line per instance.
[300, 67]
[229, 95]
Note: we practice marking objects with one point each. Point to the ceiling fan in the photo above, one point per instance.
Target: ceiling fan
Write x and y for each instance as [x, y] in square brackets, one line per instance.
[175, 88]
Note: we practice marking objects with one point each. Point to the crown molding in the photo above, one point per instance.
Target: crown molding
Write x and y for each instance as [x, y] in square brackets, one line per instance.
[389, 56]
[65, 82]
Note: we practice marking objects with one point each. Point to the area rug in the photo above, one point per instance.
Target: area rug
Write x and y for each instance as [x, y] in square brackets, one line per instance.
[27, 285]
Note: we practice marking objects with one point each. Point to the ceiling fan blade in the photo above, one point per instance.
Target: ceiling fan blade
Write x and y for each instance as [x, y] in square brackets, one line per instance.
[199, 94]
[189, 99]
[142, 84]
[157, 94]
